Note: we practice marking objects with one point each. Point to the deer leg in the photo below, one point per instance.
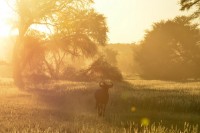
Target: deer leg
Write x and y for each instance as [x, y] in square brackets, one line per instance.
[99, 109]
[103, 110]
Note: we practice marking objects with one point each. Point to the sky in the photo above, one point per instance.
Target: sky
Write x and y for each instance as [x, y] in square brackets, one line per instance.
[127, 20]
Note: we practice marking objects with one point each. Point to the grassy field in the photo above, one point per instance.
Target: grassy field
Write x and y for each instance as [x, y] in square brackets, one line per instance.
[134, 106]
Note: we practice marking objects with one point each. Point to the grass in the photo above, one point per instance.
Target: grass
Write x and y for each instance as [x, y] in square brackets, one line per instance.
[134, 106]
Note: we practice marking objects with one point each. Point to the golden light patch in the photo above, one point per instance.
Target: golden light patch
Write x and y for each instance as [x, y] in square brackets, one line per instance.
[5, 14]
[145, 122]
[133, 109]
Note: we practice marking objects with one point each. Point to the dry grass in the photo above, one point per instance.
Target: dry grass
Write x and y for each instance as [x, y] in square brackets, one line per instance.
[135, 106]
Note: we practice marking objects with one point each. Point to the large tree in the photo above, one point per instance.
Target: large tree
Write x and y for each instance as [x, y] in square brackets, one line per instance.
[76, 37]
[75, 28]
[171, 50]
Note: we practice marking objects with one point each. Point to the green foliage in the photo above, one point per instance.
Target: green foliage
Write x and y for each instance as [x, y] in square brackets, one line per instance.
[171, 50]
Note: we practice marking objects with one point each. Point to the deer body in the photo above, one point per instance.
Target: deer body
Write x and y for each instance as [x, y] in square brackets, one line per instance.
[102, 97]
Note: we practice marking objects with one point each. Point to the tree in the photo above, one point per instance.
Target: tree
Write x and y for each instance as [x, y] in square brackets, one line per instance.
[102, 69]
[187, 4]
[77, 38]
[75, 28]
[111, 56]
[171, 50]
[34, 55]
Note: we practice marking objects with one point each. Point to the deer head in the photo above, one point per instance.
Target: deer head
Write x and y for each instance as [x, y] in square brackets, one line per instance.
[106, 85]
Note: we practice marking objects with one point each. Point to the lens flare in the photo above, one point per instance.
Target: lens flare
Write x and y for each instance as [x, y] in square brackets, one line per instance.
[145, 122]
[133, 109]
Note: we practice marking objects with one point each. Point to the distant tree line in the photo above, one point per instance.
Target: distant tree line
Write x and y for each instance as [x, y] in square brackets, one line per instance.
[171, 50]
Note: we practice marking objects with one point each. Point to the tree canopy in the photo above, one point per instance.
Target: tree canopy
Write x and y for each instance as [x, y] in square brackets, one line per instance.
[187, 4]
[75, 27]
[102, 69]
[171, 50]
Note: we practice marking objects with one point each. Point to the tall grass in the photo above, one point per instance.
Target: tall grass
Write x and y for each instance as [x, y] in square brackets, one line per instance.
[135, 106]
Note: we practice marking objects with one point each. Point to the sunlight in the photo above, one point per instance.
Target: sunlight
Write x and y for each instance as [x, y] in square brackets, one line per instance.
[5, 29]
[43, 28]
[130, 18]
[133, 109]
[145, 122]
[5, 14]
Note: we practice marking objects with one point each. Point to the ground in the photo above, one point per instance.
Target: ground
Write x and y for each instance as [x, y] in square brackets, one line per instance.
[134, 106]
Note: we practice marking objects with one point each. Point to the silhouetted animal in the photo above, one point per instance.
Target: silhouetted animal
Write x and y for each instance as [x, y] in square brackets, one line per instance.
[102, 97]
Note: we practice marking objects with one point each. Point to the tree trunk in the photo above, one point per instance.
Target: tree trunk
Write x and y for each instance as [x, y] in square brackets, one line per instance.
[18, 62]
[17, 65]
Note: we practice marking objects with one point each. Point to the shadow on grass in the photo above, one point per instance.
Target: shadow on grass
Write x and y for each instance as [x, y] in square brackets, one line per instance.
[68, 99]
[128, 103]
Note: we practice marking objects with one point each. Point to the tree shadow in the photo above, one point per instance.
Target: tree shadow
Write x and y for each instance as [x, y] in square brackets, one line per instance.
[128, 103]
[66, 99]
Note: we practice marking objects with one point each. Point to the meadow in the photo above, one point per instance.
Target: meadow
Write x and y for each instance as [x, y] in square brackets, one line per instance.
[135, 106]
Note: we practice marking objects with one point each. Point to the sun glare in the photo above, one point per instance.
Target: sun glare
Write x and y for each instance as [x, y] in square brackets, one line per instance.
[4, 29]
[5, 14]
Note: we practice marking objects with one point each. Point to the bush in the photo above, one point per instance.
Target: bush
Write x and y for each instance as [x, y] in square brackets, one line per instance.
[70, 73]
[101, 69]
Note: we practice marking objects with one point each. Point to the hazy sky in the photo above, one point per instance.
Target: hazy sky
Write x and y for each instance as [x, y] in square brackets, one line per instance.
[128, 19]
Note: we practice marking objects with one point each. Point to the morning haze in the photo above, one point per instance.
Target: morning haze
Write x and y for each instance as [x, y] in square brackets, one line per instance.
[102, 66]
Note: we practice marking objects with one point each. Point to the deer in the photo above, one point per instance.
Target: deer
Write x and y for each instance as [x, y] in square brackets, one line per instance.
[102, 97]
